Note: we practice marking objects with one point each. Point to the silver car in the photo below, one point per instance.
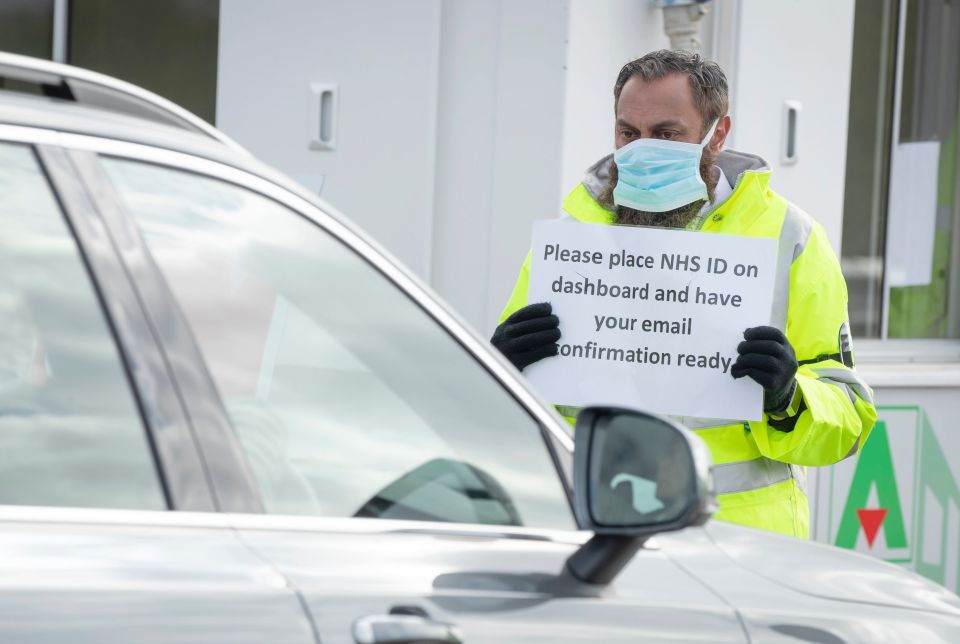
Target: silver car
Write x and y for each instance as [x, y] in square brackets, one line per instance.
[227, 416]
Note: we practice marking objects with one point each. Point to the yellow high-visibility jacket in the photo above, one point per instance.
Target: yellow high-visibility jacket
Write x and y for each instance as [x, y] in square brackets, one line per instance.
[759, 466]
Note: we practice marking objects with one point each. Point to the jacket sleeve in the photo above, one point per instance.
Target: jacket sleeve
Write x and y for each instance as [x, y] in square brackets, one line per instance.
[834, 410]
[518, 298]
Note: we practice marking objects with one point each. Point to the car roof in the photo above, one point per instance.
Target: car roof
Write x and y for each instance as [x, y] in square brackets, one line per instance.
[68, 99]
[82, 86]
[62, 116]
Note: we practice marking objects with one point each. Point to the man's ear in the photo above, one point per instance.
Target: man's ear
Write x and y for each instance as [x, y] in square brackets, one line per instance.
[720, 135]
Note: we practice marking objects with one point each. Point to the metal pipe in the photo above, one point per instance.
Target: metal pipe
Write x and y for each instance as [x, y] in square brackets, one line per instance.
[681, 22]
[61, 15]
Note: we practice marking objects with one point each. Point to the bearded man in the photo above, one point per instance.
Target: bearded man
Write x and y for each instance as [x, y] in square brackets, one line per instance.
[669, 170]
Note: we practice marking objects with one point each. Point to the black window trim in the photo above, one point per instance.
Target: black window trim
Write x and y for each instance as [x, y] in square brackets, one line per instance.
[183, 480]
[231, 483]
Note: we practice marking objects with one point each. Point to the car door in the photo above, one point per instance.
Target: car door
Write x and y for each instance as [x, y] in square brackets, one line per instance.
[407, 493]
[97, 468]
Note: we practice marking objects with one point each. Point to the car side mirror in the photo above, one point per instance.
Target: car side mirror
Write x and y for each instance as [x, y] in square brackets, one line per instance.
[635, 475]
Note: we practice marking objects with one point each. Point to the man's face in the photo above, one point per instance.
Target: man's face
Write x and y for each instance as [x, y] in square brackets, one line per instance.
[660, 109]
[664, 109]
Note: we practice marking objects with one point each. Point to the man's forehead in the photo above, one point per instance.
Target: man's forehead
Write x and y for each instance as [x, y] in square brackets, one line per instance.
[662, 99]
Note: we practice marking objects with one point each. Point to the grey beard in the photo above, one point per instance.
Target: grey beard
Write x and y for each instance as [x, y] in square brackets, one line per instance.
[676, 218]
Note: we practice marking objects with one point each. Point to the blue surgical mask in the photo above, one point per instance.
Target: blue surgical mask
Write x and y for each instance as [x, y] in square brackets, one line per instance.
[656, 175]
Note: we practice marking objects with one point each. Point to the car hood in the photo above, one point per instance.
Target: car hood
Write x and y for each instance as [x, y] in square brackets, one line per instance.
[829, 572]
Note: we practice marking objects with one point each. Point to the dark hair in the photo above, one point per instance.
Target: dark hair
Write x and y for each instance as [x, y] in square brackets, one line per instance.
[707, 80]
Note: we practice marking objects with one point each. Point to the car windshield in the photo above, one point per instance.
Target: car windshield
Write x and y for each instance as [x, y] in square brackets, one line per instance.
[348, 398]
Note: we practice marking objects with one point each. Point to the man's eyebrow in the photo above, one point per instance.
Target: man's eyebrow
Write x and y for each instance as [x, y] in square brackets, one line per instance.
[656, 126]
[667, 123]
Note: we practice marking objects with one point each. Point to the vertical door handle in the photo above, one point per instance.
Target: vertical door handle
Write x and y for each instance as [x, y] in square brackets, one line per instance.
[789, 154]
[404, 629]
[323, 116]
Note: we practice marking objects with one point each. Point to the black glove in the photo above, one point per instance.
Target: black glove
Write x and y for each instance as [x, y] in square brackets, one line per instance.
[767, 357]
[528, 335]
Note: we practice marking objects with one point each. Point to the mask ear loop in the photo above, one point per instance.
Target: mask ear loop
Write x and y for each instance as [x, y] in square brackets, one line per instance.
[706, 139]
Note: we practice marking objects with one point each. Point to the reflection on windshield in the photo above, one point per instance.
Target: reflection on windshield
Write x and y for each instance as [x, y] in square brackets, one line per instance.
[444, 490]
[339, 385]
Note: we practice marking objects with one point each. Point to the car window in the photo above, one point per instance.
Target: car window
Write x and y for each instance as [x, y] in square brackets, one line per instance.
[70, 431]
[347, 398]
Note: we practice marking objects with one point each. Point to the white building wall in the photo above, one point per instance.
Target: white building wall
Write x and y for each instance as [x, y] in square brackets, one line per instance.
[498, 145]
[449, 123]
[538, 93]
[466, 153]
[603, 36]
[792, 50]
[383, 56]
[460, 122]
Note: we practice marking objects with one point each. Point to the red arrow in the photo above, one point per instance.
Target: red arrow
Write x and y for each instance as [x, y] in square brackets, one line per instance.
[870, 521]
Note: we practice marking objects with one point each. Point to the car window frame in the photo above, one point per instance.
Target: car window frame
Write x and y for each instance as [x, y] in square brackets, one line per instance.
[181, 479]
[87, 151]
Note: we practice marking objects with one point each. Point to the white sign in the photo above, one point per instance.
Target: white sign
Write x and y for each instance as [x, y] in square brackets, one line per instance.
[912, 213]
[650, 318]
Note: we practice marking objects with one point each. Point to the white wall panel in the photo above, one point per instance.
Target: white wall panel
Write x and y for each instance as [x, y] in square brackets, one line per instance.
[797, 50]
[498, 145]
[467, 121]
[382, 55]
[459, 122]
[528, 136]
[604, 35]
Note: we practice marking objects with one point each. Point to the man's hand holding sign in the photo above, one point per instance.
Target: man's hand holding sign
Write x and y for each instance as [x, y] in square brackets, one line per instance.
[698, 291]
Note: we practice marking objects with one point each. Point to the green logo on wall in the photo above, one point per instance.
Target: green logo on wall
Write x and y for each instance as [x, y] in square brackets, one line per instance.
[876, 497]
[874, 468]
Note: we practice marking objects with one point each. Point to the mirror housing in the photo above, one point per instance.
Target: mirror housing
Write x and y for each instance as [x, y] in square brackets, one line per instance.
[635, 475]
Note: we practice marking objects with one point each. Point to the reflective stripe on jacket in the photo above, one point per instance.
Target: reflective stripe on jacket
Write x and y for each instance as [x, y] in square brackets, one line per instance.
[759, 472]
